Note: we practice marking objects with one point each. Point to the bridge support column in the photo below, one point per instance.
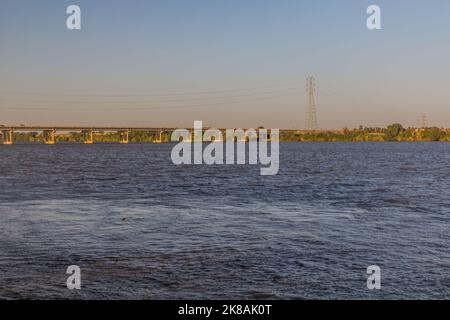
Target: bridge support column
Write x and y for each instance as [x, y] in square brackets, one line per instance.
[49, 136]
[220, 139]
[190, 138]
[269, 136]
[159, 137]
[124, 137]
[7, 136]
[88, 136]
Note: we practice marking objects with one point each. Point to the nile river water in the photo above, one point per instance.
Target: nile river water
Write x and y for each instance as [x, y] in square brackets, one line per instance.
[140, 227]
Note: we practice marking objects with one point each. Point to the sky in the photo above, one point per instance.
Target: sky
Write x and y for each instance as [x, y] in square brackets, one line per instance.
[229, 63]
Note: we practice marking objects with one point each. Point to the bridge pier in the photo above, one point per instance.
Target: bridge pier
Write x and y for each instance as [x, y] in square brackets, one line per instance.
[190, 138]
[7, 136]
[210, 135]
[273, 136]
[269, 136]
[159, 138]
[49, 136]
[218, 140]
[88, 136]
[124, 137]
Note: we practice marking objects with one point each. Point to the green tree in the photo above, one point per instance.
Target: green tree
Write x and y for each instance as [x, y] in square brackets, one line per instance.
[393, 131]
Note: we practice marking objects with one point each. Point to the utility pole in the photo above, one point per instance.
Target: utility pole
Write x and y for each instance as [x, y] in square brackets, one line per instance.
[311, 113]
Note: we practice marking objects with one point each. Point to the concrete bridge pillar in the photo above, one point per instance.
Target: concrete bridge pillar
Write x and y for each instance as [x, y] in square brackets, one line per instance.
[190, 138]
[7, 136]
[49, 136]
[269, 136]
[88, 136]
[220, 138]
[124, 137]
[159, 137]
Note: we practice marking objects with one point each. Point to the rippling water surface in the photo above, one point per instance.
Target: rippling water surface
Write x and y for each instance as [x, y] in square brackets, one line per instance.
[142, 228]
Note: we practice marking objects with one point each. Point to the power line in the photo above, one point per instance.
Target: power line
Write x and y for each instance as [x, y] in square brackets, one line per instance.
[286, 90]
[29, 93]
[141, 108]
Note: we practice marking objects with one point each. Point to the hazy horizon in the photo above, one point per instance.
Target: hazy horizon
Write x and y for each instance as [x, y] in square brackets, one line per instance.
[227, 63]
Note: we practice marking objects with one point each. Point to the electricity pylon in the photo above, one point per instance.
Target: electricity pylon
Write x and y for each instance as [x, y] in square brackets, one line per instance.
[423, 120]
[311, 113]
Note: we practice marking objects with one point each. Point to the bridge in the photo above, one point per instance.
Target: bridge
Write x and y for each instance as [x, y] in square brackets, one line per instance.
[49, 132]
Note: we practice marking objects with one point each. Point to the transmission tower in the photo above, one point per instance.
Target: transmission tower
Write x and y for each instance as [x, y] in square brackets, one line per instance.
[423, 120]
[311, 114]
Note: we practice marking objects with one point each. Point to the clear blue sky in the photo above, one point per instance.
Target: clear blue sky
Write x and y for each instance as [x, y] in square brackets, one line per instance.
[230, 63]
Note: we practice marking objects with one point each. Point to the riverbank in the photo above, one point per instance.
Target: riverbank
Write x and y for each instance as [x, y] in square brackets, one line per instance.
[394, 132]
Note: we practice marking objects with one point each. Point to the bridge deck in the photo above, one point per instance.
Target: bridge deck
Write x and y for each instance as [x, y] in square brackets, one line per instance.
[104, 128]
